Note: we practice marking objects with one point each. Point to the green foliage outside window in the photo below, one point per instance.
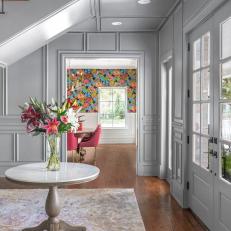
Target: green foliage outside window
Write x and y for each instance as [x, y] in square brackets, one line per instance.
[226, 162]
[226, 88]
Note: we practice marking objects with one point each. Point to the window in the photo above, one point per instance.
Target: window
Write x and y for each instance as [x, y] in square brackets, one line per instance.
[112, 107]
[225, 99]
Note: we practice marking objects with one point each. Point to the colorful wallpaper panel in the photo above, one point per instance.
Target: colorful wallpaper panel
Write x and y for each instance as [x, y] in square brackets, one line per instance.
[91, 79]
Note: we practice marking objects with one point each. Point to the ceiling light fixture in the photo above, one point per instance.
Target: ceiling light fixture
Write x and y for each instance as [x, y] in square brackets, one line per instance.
[143, 2]
[116, 23]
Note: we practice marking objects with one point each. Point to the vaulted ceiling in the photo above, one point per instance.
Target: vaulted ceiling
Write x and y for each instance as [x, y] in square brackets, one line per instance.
[132, 15]
[84, 15]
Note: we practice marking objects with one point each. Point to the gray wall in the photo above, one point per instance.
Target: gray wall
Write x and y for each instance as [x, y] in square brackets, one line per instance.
[170, 44]
[38, 75]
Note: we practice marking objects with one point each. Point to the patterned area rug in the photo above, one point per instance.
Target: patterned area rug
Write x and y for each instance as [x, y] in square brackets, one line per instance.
[97, 209]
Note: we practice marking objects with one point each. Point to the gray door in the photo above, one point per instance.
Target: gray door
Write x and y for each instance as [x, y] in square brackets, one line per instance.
[210, 105]
[201, 123]
[222, 118]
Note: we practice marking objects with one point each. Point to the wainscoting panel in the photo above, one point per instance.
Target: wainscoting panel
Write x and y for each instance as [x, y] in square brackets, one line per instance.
[225, 210]
[149, 144]
[200, 196]
[29, 148]
[94, 42]
[177, 184]
[7, 147]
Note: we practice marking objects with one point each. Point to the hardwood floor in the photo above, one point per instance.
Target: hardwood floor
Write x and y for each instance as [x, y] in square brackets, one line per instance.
[160, 212]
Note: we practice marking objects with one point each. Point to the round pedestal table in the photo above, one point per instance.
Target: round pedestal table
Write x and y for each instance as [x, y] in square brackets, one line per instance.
[37, 174]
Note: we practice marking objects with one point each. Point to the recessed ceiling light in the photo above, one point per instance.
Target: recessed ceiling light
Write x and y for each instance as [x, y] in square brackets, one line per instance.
[143, 2]
[116, 23]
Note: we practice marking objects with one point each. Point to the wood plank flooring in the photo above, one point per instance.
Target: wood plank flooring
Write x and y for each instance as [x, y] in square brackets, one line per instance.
[160, 212]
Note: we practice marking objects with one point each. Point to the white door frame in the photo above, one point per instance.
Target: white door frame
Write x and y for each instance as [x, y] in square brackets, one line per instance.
[139, 56]
[163, 116]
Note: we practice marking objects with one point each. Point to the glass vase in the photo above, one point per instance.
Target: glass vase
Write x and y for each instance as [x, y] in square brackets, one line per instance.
[53, 162]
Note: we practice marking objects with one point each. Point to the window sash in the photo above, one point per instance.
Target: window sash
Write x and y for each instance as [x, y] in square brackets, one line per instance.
[113, 119]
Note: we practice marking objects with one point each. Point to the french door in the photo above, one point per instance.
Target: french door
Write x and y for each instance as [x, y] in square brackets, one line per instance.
[222, 120]
[210, 125]
[201, 107]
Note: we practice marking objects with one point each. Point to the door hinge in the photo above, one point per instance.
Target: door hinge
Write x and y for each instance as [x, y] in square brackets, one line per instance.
[188, 46]
[188, 93]
[187, 139]
[187, 185]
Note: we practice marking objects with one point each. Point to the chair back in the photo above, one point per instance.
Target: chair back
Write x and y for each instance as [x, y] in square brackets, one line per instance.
[94, 139]
[96, 136]
[72, 141]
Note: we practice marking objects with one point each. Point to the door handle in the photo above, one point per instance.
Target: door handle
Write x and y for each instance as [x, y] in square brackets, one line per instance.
[215, 154]
[209, 152]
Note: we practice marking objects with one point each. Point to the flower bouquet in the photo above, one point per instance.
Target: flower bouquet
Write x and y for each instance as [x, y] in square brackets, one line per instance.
[51, 120]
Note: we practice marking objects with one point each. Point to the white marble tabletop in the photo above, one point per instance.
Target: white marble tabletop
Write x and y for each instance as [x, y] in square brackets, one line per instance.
[69, 173]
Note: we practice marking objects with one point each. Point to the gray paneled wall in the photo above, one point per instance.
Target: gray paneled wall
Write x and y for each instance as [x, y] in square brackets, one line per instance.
[171, 43]
[39, 75]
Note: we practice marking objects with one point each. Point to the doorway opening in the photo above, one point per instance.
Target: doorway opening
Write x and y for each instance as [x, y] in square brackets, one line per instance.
[106, 90]
[166, 119]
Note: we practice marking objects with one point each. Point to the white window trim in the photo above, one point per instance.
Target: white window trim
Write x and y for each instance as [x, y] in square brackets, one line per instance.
[126, 108]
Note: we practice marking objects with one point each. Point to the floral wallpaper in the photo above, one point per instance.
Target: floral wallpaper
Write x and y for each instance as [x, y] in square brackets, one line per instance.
[87, 95]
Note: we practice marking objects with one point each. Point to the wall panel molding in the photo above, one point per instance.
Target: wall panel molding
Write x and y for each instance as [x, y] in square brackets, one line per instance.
[3, 85]
[45, 73]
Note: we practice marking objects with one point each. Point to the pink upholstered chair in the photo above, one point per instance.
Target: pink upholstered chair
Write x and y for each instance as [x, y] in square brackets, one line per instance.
[72, 143]
[91, 141]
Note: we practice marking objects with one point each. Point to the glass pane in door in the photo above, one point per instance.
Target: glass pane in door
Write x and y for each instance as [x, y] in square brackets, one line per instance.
[205, 152]
[205, 83]
[196, 117]
[226, 161]
[225, 39]
[226, 80]
[196, 149]
[197, 54]
[205, 118]
[205, 49]
[226, 121]
[196, 86]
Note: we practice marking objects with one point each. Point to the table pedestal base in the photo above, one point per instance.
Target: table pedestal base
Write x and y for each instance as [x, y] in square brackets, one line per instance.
[53, 210]
[61, 226]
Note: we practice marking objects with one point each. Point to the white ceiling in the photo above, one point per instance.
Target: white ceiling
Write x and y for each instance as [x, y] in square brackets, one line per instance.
[134, 16]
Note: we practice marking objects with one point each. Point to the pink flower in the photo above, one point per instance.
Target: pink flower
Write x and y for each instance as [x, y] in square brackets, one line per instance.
[64, 119]
[30, 114]
[52, 126]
